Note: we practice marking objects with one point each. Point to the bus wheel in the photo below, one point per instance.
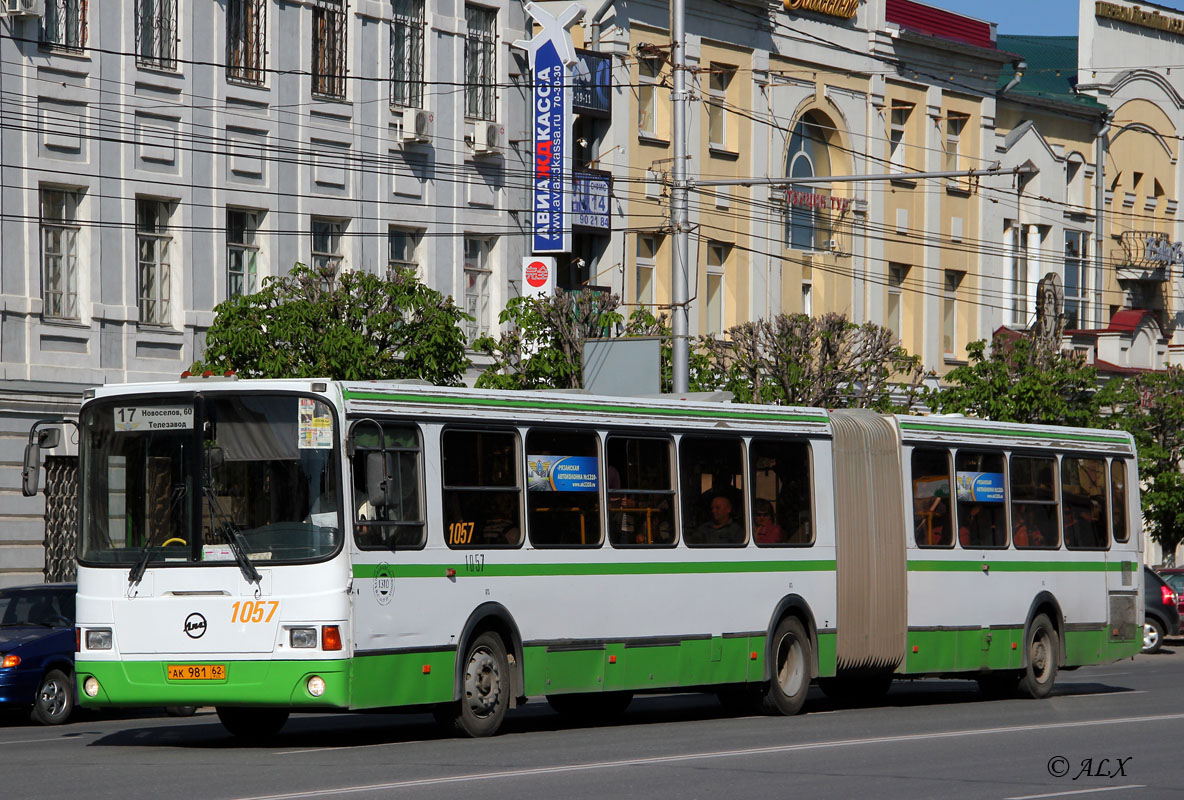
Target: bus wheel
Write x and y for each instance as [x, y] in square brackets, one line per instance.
[1041, 672]
[252, 723]
[791, 669]
[600, 707]
[486, 688]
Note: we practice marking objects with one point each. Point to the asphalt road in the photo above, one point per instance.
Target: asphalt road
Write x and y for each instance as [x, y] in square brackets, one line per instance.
[1112, 732]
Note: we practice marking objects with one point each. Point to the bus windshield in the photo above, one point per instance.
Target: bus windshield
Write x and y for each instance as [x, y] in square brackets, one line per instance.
[184, 475]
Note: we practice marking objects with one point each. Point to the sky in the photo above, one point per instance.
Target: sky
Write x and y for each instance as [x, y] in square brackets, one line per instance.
[1031, 17]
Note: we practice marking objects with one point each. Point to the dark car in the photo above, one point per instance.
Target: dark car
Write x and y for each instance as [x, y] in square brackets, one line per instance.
[1161, 617]
[1175, 578]
[37, 650]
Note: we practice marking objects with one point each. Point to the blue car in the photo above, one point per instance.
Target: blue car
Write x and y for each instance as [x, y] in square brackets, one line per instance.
[37, 650]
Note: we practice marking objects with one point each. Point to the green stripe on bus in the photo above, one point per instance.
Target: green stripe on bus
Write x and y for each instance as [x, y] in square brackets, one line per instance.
[1014, 566]
[488, 570]
[494, 402]
[1079, 437]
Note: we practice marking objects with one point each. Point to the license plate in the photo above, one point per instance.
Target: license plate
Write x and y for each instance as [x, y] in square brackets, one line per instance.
[197, 672]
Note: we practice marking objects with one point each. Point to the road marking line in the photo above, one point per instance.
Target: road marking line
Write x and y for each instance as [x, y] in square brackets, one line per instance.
[672, 759]
[1078, 791]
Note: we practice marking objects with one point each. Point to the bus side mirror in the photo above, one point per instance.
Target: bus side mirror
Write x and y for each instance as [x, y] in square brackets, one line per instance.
[379, 468]
[31, 474]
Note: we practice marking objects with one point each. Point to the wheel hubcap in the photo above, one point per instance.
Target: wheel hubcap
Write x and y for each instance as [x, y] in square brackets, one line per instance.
[483, 683]
[791, 665]
[53, 698]
[1150, 636]
[1040, 655]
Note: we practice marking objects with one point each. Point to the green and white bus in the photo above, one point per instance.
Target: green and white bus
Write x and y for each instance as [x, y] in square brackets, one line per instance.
[308, 545]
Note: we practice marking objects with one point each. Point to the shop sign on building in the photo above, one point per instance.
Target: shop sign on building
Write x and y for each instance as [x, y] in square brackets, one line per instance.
[815, 201]
[1144, 18]
[552, 58]
[592, 84]
[591, 207]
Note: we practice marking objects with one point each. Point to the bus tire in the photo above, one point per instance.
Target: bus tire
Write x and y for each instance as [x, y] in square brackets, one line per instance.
[1041, 649]
[252, 723]
[485, 689]
[598, 707]
[54, 701]
[790, 654]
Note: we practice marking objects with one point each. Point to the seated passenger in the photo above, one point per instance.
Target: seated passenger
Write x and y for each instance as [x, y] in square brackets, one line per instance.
[721, 528]
[765, 528]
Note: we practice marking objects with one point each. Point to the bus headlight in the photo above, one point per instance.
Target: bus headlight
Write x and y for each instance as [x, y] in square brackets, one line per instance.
[98, 639]
[303, 637]
[316, 686]
[91, 687]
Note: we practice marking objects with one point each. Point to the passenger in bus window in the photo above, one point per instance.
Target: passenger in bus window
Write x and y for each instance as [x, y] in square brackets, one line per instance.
[722, 528]
[1024, 532]
[501, 527]
[765, 527]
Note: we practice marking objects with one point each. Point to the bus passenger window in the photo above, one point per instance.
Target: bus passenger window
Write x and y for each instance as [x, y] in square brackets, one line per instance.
[932, 523]
[482, 490]
[712, 472]
[1034, 502]
[396, 522]
[981, 500]
[563, 489]
[1118, 499]
[640, 492]
[1083, 503]
[782, 511]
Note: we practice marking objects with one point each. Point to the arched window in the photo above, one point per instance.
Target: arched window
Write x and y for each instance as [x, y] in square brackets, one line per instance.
[808, 157]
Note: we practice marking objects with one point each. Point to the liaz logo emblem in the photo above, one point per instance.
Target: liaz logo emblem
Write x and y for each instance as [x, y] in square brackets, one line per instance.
[195, 626]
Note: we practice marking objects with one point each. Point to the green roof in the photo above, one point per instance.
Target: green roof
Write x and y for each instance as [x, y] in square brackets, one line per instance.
[1051, 72]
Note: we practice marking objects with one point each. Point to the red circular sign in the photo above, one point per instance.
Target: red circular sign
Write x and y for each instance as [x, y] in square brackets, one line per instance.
[536, 274]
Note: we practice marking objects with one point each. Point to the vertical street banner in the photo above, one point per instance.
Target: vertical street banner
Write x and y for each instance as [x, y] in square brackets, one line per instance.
[550, 209]
[552, 59]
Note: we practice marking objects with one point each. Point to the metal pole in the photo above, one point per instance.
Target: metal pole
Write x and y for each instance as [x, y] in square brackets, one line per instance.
[678, 202]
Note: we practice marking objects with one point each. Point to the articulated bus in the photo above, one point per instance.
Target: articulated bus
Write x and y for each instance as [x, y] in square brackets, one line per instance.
[271, 546]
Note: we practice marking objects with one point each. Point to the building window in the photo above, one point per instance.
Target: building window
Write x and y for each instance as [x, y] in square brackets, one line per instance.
[647, 255]
[1017, 278]
[59, 252]
[156, 33]
[407, 53]
[896, 136]
[808, 157]
[1077, 289]
[154, 260]
[955, 124]
[480, 62]
[892, 317]
[328, 48]
[717, 261]
[402, 250]
[807, 298]
[477, 271]
[246, 47]
[949, 312]
[242, 252]
[64, 24]
[1075, 187]
[648, 70]
[326, 243]
[717, 98]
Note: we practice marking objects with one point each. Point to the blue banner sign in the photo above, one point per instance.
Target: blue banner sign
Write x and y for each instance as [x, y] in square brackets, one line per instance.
[591, 84]
[980, 487]
[551, 113]
[563, 473]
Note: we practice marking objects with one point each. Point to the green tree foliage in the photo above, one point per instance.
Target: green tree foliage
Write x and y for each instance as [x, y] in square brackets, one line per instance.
[542, 347]
[826, 361]
[324, 323]
[1018, 382]
[1151, 407]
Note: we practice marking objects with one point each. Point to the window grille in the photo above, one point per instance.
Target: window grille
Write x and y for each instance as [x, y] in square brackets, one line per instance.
[156, 33]
[64, 25]
[407, 54]
[328, 48]
[246, 40]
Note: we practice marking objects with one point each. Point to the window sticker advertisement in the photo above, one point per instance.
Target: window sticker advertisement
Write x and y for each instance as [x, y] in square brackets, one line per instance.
[980, 487]
[130, 419]
[316, 425]
[563, 473]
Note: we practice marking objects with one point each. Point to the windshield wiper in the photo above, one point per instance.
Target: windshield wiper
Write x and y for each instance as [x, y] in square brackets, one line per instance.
[137, 570]
[232, 536]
